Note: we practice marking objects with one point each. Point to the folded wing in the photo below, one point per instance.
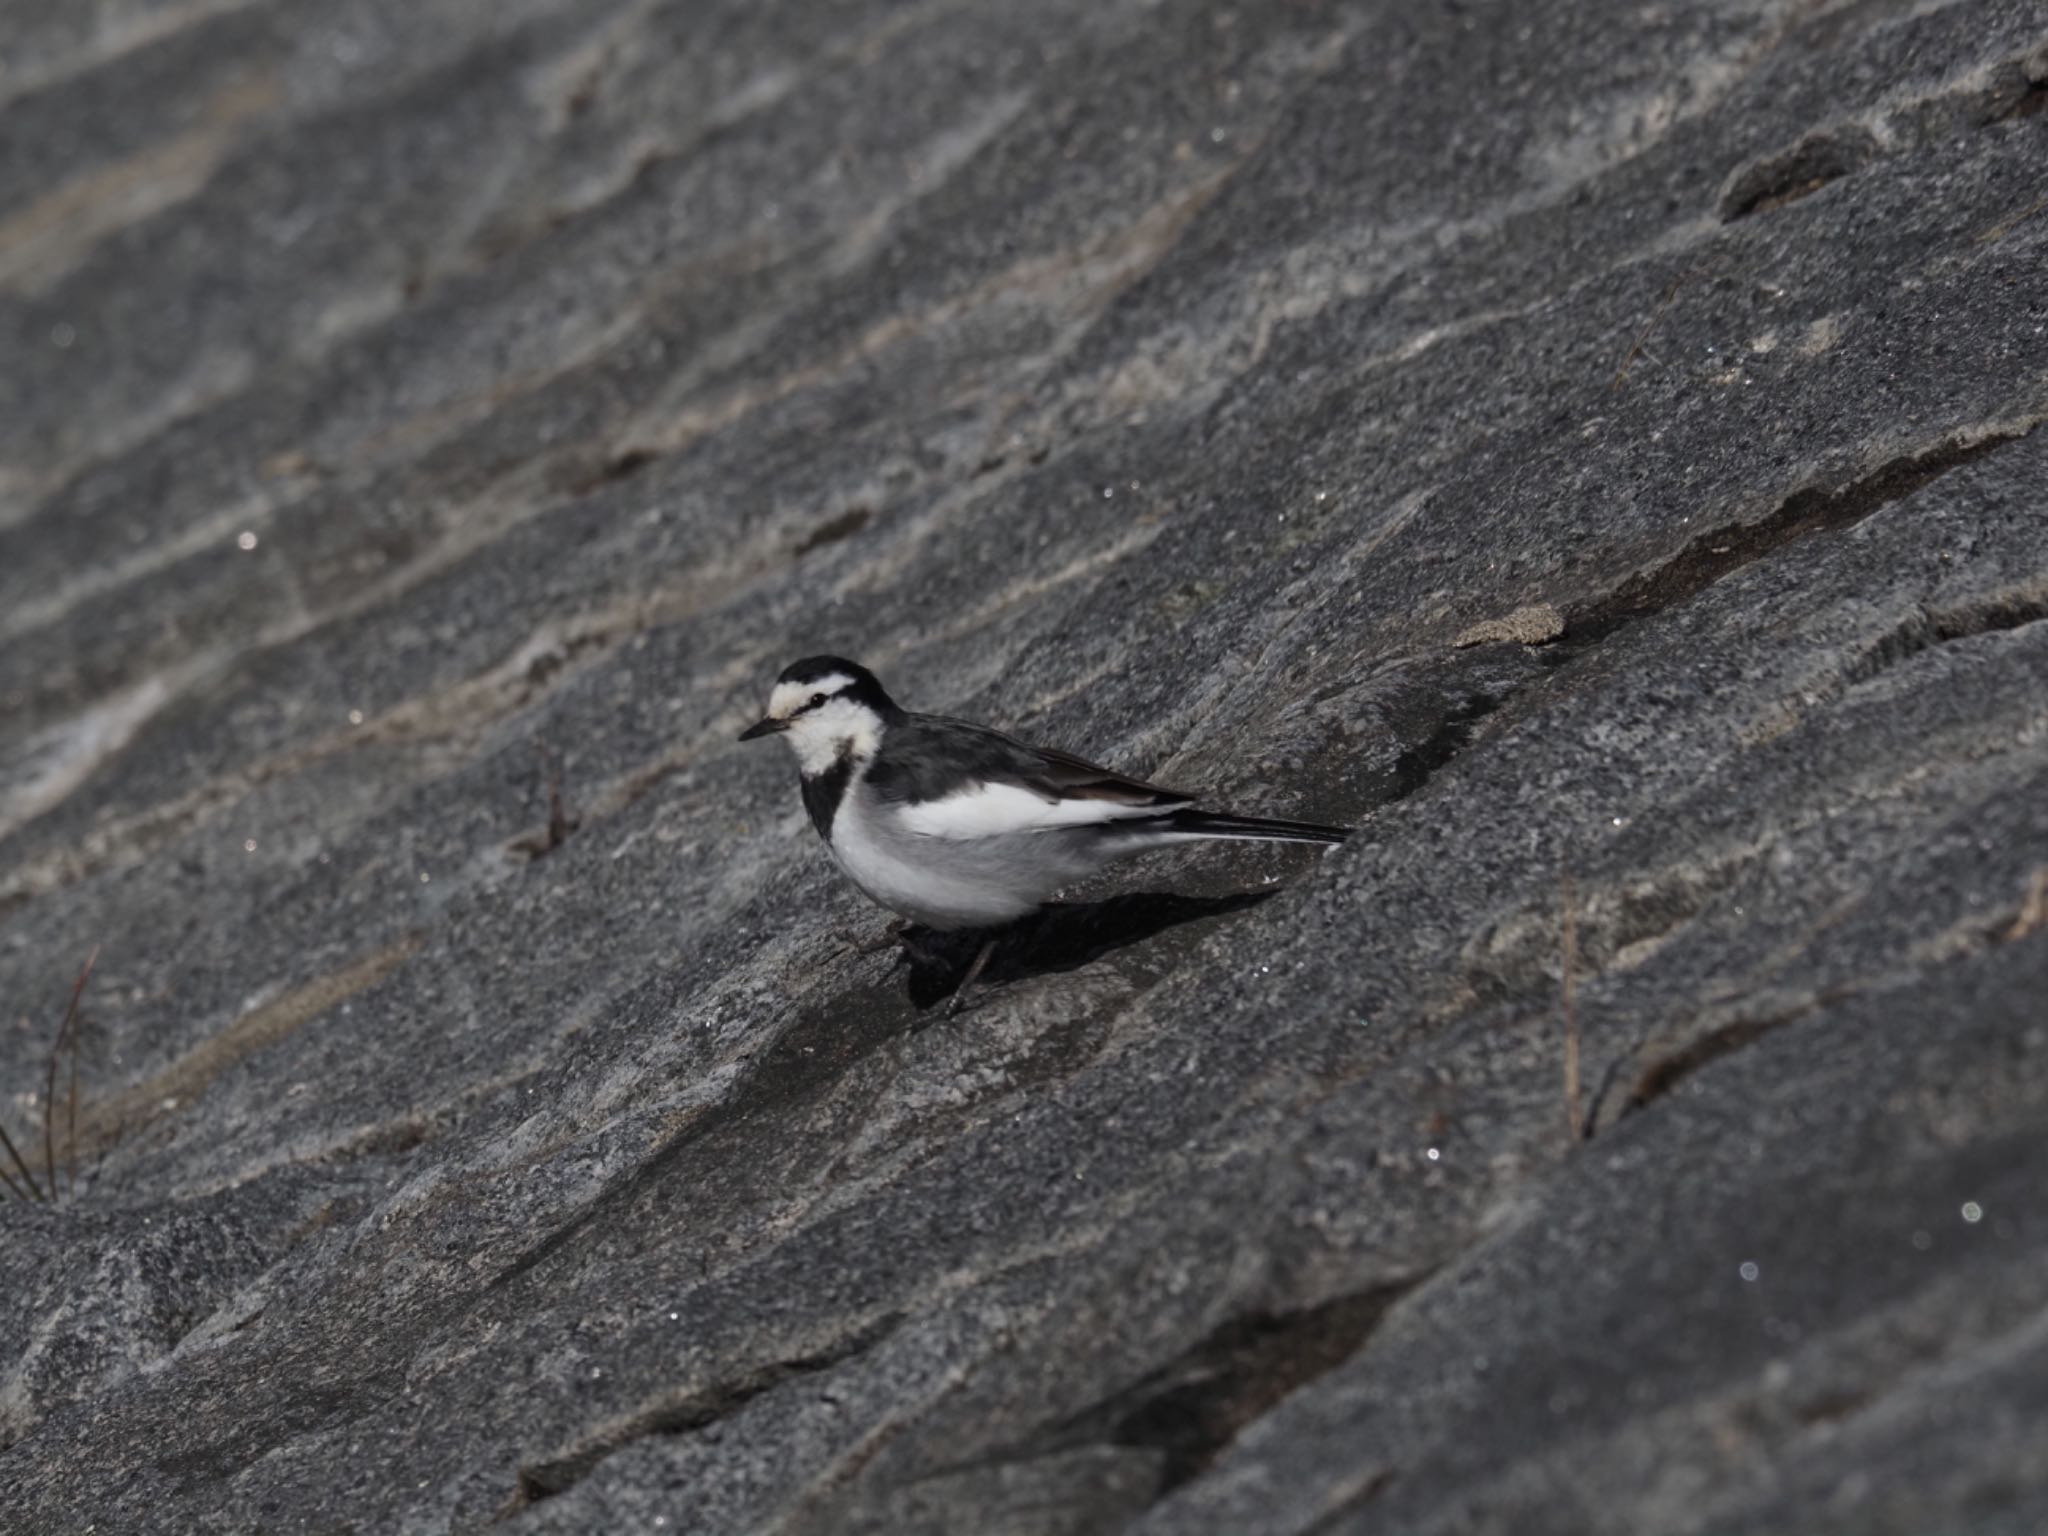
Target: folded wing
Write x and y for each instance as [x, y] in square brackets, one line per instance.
[1013, 787]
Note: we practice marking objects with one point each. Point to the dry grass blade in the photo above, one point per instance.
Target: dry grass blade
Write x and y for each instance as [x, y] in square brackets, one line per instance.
[71, 1119]
[1641, 346]
[560, 825]
[66, 1032]
[2034, 910]
[35, 1190]
[560, 822]
[71, 1093]
[1569, 996]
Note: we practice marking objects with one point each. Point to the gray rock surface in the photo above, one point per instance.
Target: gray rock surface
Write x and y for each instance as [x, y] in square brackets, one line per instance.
[409, 402]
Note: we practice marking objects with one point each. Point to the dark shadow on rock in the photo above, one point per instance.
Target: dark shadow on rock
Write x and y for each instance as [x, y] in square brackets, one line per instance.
[1063, 936]
[831, 1038]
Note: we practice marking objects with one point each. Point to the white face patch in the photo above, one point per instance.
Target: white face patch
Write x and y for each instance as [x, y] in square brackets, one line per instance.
[818, 736]
[788, 698]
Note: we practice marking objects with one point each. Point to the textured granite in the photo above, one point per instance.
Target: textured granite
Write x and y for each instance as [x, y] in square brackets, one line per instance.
[1595, 449]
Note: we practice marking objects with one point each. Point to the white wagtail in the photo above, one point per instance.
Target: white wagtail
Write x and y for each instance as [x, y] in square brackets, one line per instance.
[954, 825]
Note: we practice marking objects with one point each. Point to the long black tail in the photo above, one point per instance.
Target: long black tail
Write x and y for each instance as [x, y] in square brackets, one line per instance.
[1209, 824]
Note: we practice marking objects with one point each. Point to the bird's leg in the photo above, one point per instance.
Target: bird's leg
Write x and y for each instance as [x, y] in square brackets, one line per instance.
[959, 1001]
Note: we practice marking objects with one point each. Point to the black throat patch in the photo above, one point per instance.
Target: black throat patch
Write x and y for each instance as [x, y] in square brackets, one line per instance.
[823, 791]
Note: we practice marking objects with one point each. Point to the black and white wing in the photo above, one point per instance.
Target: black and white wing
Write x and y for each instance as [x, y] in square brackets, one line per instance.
[956, 780]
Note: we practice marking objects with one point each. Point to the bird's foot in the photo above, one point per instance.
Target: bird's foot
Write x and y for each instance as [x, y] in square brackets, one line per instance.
[957, 1003]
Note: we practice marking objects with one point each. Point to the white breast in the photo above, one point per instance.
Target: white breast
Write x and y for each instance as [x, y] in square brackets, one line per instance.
[964, 866]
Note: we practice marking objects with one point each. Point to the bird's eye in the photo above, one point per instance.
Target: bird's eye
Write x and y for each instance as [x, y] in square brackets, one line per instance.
[816, 700]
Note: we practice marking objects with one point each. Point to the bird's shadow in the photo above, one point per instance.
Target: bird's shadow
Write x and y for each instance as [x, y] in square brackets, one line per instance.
[1062, 936]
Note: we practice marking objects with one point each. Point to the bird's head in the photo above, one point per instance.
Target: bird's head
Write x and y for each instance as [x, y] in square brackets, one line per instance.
[825, 707]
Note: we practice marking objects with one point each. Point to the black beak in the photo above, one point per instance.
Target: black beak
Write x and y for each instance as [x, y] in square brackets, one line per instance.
[763, 728]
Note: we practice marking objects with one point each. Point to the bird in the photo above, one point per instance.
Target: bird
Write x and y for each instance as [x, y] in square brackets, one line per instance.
[954, 825]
